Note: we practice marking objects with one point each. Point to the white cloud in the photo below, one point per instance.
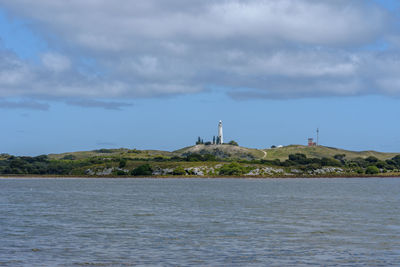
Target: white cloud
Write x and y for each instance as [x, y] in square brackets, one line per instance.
[117, 24]
[56, 62]
[295, 64]
[270, 48]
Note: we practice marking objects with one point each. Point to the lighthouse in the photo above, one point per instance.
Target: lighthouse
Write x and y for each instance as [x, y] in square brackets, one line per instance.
[220, 139]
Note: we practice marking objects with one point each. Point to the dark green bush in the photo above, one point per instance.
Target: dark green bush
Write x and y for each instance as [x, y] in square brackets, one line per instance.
[372, 170]
[371, 159]
[298, 158]
[179, 171]
[233, 143]
[122, 163]
[142, 170]
[69, 157]
[121, 172]
[330, 162]
[198, 157]
[104, 150]
[232, 169]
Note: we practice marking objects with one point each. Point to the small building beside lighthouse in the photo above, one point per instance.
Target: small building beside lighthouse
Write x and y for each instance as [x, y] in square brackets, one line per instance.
[217, 140]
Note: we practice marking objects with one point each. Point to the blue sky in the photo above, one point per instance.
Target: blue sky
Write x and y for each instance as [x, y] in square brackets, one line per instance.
[156, 74]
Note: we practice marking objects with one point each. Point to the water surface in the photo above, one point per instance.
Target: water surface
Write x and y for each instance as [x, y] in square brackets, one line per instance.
[213, 222]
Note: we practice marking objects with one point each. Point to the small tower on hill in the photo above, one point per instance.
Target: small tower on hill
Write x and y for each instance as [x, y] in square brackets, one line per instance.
[220, 139]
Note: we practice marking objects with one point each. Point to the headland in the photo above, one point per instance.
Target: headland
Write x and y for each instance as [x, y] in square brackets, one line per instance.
[208, 161]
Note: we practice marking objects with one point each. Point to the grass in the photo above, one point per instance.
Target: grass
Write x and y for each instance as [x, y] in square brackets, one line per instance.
[322, 151]
[235, 153]
[116, 153]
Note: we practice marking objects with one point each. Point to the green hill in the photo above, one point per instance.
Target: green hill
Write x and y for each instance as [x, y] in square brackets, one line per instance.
[226, 152]
[322, 152]
[207, 160]
[112, 153]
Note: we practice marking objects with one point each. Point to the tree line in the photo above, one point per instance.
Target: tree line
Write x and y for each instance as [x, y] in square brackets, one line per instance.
[69, 165]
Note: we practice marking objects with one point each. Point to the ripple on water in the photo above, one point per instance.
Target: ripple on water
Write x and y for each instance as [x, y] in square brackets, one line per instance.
[82, 222]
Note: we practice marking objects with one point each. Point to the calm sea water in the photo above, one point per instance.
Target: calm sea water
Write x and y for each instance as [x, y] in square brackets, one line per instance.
[206, 222]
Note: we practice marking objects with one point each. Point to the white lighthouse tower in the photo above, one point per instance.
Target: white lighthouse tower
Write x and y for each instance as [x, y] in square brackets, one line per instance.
[220, 135]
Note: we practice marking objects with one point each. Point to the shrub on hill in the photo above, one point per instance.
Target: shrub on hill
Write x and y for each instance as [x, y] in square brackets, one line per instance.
[69, 157]
[144, 169]
[209, 157]
[274, 162]
[340, 157]
[330, 162]
[197, 157]
[36, 165]
[371, 159]
[176, 158]
[233, 143]
[382, 165]
[121, 172]
[389, 164]
[122, 163]
[179, 171]
[360, 162]
[395, 161]
[194, 157]
[104, 150]
[298, 158]
[372, 170]
[233, 168]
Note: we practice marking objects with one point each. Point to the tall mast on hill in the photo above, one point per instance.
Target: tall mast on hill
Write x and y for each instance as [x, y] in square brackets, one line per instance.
[317, 136]
[220, 135]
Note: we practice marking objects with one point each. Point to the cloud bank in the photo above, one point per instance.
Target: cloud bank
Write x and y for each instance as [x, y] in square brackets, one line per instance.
[26, 104]
[255, 48]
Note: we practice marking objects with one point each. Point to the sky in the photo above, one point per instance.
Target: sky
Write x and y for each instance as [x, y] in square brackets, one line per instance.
[156, 74]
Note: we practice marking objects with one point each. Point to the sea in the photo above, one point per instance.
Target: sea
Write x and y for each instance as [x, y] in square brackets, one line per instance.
[199, 222]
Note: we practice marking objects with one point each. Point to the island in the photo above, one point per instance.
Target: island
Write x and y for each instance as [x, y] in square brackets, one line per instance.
[207, 160]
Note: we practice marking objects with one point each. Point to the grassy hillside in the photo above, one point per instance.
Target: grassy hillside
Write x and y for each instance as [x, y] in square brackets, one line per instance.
[113, 153]
[323, 152]
[225, 152]
[207, 160]
[222, 151]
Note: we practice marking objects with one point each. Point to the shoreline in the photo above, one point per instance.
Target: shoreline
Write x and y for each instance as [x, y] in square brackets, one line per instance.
[397, 175]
